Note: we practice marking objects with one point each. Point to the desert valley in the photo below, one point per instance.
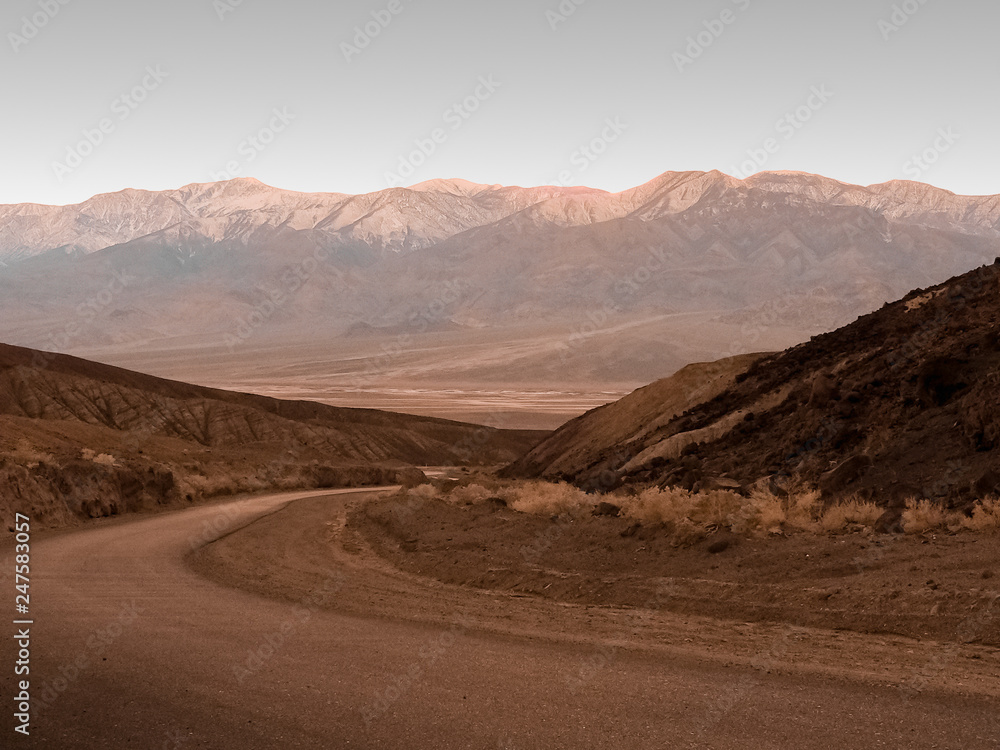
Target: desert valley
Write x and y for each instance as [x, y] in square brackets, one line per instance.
[393, 375]
[747, 423]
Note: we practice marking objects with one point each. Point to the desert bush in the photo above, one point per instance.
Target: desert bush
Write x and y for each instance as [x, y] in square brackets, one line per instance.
[423, 492]
[839, 517]
[803, 509]
[718, 509]
[469, 494]
[545, 498]
[985, 516]
[25, 454]
[924, 515]
[676, 506]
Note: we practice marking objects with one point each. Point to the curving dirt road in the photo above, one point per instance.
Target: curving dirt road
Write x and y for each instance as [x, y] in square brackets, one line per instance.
[132, 647]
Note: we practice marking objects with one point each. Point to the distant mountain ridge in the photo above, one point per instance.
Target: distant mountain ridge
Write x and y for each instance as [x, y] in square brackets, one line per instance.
[573, 284]
[410, 218]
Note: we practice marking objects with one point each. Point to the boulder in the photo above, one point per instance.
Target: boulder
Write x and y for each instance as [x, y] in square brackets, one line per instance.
[835, 481]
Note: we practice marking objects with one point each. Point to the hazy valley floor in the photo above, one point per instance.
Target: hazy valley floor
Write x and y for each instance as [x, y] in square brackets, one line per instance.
[518, 377]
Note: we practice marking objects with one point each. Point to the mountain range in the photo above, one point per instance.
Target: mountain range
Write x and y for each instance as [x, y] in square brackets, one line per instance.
[449, 283]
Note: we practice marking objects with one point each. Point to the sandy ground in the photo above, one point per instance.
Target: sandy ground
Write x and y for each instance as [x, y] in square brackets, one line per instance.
[444, 566]
[938, 587]
[133, 648]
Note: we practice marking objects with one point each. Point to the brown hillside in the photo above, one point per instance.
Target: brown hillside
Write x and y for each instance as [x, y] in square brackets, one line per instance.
[81, 439]
[902, 403]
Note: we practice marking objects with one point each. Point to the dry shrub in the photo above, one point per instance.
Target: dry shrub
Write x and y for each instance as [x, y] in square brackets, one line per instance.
[803, 509]
[839, 517]
[924, 515]
[676, 506]
[545, 498]
[469, 494]
[985, 516]
[762, 511]
[27, 455]
[422, 492]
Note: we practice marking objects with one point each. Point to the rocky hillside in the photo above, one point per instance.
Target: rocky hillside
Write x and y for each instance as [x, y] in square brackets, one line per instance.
[83, 439]
[582, 442]
[900, 404]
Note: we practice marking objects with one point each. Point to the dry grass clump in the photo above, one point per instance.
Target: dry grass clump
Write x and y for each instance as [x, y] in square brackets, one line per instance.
[692, 516]
[718, 509]
[922, 516]
[546, 498]
[470, 494]
[26, 454]
[985, 516]
[841, 516]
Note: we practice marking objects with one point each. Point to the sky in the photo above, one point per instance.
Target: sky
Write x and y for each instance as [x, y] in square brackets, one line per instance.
[360, 95]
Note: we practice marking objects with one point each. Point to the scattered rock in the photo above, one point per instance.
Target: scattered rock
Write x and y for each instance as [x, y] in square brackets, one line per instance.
[835, 481]
[721, 483]
[987, 484]
[890, 522]
[719, 546]
[939, 379]
[609, 510]
[824, 390]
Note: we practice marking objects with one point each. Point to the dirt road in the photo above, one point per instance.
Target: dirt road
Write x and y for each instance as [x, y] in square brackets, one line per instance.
[133, 646]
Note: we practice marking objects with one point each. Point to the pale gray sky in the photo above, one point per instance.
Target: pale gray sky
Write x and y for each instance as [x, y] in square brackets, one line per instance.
[607, 94]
